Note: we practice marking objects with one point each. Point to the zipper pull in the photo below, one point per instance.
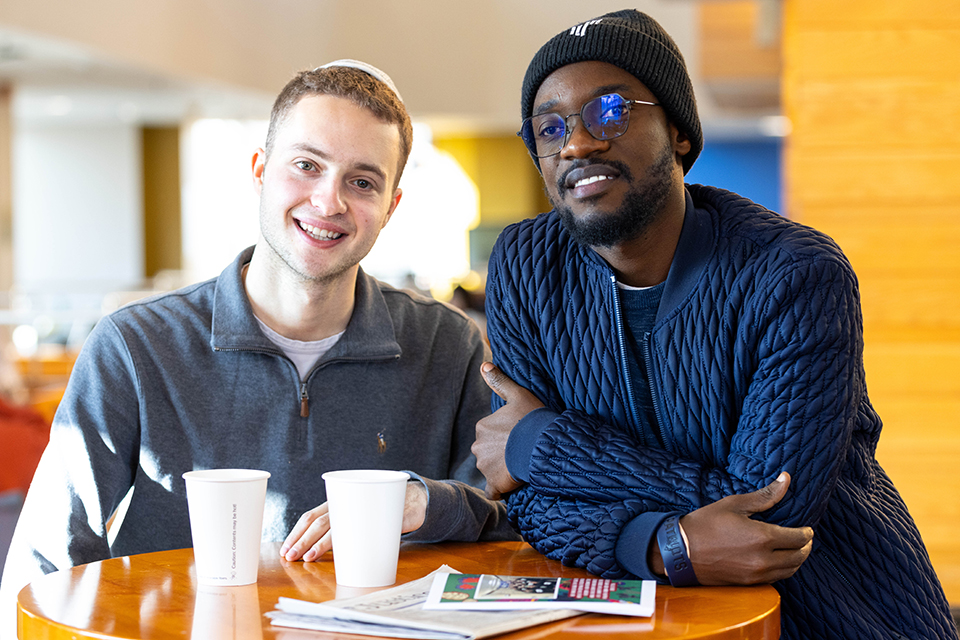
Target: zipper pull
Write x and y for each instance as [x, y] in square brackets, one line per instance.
[304, 406]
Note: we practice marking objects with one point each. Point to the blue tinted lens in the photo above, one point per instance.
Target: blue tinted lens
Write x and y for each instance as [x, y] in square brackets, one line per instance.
[606, 117]
[543, 134]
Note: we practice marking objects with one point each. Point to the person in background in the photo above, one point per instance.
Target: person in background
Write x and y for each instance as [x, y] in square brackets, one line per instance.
[681, 392]
[472, 305]
[293, 361]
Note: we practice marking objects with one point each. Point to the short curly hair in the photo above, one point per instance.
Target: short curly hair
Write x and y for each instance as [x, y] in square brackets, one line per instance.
[344, 82]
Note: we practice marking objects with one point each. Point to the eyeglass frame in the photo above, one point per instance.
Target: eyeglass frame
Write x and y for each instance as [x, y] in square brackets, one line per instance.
[568, 131]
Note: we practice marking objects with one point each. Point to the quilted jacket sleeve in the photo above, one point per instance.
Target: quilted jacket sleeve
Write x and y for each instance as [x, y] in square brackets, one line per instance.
[796, 355]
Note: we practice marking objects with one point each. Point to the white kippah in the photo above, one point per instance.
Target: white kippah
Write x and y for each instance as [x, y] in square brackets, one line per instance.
[366, 68]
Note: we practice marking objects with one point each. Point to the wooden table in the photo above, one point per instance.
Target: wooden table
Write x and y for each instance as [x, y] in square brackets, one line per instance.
[154, 596]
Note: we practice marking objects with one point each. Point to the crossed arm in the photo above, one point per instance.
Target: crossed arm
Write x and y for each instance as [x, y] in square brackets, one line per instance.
[726, 545]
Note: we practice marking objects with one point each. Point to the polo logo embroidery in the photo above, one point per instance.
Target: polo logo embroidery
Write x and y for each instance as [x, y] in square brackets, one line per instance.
[581, 29]
[381, 443]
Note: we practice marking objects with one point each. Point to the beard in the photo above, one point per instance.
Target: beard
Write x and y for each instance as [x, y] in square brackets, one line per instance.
[641, 205]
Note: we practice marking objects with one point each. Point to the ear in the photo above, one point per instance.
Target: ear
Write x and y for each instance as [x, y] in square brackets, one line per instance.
[681, 142]
[393, 206]
[258, 163]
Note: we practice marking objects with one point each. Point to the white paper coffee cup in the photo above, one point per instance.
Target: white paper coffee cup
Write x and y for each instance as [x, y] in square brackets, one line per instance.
[366, 517]
[226, 519]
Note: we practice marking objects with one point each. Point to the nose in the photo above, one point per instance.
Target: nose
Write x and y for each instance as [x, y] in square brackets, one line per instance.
[327, 197]
[579, 143]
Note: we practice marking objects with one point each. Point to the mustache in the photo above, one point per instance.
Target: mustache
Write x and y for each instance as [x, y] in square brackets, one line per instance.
[621, 167]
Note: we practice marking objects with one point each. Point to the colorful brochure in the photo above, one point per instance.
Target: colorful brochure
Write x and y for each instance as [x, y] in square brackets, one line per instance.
[500, 593]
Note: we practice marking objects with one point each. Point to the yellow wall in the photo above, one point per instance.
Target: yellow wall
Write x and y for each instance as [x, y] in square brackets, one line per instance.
[161, 199]
[872, 88]
[508, 181]
[509, 185]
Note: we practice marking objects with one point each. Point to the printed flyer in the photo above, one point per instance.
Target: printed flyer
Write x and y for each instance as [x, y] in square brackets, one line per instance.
[499, 593]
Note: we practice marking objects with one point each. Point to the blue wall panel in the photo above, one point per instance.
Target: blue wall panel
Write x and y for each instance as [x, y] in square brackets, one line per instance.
[751, 169]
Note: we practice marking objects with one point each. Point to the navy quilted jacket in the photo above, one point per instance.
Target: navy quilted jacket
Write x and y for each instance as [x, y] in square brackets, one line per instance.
[755, 362]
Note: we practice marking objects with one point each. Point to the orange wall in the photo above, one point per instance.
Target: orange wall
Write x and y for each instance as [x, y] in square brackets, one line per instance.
[872, 88]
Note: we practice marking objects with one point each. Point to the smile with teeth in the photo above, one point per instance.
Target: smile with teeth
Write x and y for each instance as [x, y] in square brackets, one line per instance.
[585, 181]
[318, 234]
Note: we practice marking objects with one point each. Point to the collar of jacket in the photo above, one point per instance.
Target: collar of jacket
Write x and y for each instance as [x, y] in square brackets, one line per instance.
[694, 247]
[369, 334]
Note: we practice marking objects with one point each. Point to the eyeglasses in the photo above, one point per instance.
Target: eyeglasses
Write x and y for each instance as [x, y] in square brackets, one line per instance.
[604, 118]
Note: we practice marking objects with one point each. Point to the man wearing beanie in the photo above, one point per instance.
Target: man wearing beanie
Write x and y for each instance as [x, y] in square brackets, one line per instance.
[293, 361]
[679, 378]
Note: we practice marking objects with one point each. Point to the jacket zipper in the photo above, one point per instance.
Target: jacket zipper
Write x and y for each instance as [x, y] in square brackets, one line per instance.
[648, 361]
[302, 389]
[302, 394]
[304, 400]
[631, 404]
[305, 397]
[828, 558]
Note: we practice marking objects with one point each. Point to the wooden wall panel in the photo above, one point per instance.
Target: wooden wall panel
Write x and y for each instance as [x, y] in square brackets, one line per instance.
[825, 15]
[908, 177]
[874, 110]
[872, 88]
[728, 43]
[883, 54]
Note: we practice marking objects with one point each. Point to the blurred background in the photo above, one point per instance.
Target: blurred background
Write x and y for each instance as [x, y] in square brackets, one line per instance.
[127, 129]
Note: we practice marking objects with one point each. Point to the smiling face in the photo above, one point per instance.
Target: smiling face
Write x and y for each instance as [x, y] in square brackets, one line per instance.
[610, 191]
[326, 189]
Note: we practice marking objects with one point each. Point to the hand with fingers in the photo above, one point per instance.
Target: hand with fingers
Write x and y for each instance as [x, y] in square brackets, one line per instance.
[310, 538]
[490, 445]
[728, 547]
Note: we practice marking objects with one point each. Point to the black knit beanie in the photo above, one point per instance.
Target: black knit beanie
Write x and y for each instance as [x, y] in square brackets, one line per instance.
[636, 43]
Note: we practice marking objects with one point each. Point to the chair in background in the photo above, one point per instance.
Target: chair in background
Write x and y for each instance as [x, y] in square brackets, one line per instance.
[24, 433]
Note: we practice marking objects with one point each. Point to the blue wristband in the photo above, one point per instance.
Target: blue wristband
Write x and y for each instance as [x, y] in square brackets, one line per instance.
[674, 552]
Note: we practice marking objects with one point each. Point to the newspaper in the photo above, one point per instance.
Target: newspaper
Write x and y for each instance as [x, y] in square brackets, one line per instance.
[398, 613]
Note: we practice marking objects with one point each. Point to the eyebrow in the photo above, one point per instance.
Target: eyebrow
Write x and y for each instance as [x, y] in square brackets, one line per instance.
[599, 91]
[323, 155]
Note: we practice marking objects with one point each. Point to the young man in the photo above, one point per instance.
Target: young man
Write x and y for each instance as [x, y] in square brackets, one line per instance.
[690, 355]
[293, 361]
